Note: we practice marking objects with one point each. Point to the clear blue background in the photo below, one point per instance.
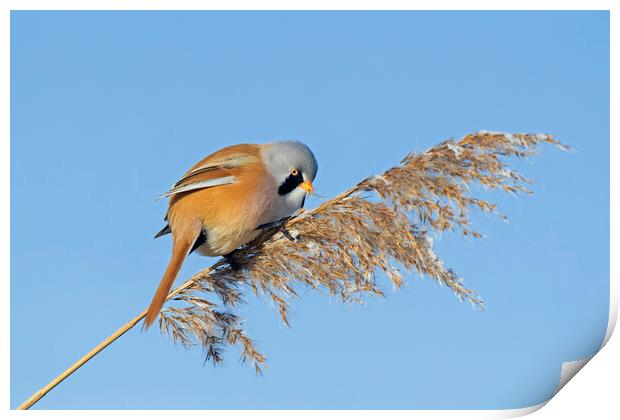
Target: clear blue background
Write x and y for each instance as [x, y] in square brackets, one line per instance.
[109, 108]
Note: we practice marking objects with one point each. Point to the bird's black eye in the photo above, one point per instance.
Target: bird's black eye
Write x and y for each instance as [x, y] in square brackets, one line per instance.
[291, 182]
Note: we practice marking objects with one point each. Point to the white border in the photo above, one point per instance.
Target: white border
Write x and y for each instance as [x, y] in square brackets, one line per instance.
[309, 5]
[597, 379]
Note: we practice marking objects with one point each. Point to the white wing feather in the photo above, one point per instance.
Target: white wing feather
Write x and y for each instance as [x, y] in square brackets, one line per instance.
[199, 185]
[228, 162]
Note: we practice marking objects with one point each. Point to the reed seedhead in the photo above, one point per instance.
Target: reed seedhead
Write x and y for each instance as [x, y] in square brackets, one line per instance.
[383, 224]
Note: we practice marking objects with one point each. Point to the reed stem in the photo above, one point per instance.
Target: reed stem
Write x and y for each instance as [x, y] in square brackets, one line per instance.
[34, 398]
[421, 184]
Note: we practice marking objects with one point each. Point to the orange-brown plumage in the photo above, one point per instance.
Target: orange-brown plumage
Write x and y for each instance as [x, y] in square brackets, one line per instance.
[223, 199]
[238, 208]
[184, 237]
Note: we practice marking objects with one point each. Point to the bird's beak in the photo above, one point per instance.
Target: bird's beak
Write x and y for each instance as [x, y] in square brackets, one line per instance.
[307, 186]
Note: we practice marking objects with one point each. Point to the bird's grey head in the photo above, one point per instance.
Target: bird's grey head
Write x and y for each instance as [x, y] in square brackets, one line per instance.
[292, 164]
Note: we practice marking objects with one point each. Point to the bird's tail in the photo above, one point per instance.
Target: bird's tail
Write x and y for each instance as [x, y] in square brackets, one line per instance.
[180, 249]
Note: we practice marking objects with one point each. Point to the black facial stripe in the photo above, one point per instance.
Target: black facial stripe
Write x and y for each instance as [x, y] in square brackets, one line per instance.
[291, 182]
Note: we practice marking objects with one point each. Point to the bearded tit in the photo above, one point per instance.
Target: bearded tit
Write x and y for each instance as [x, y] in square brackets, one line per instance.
[223, 201]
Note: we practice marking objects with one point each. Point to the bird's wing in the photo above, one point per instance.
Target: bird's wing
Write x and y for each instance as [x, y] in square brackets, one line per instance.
[212, 171]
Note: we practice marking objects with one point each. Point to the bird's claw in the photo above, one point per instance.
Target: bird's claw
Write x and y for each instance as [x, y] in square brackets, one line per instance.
[286, 233]
[232, 261]
[279, 225]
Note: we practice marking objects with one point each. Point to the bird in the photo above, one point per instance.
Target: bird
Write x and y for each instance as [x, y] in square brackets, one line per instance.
[227, 198]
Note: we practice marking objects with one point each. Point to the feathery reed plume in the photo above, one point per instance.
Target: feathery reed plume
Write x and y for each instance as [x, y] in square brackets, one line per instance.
[380, 223]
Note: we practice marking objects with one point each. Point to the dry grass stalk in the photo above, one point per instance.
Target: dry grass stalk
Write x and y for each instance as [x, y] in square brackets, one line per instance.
[381, 224]
[343, 242]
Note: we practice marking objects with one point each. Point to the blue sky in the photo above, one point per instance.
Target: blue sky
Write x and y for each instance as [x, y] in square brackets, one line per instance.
[109, 108]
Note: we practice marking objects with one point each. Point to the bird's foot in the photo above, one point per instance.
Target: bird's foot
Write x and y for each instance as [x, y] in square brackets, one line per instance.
[286, 233]
[279, 225]
[232, 261]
